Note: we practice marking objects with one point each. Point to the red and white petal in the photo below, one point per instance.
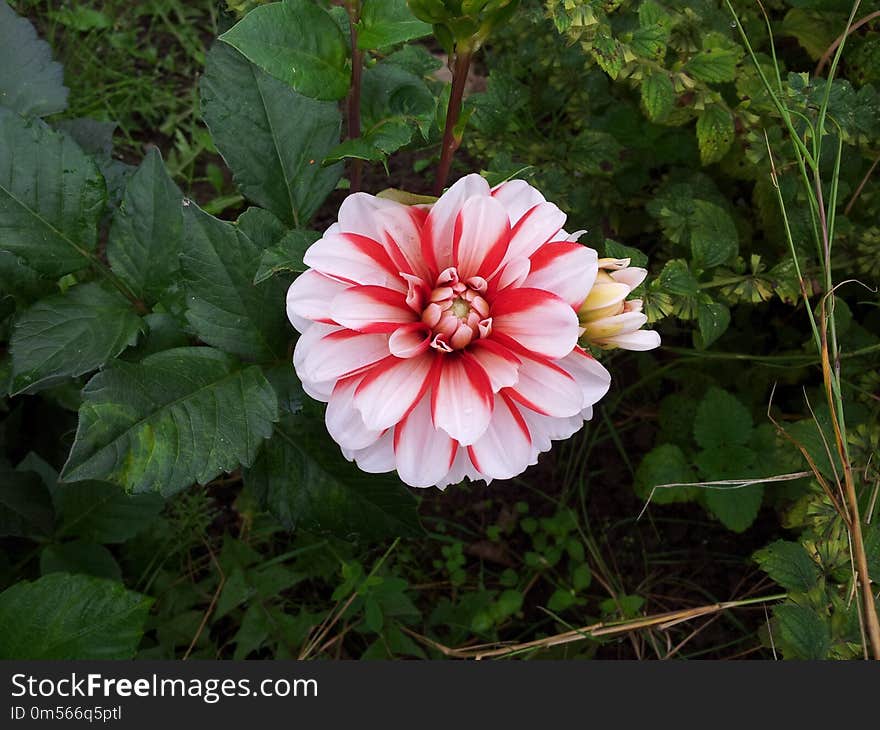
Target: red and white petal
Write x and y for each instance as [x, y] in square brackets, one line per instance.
[344, 423]
[500, 364]
[593, 379]
[504, 450]
[354, 259]
[309, 297]
[410, 340]
[440, 224]
[511, 274]
[539, 321]
[424, 454]
[568, 270]
[401, 234]
[546, 429]
[538, 226]
[462, 401]
[546, 388]
[392, 388]
[638, 341]
[632, 276]
[518, 197]
[338, 354]
[378, 458]
[480, 237]
[461, 468]
[359, 214]
[371, 309]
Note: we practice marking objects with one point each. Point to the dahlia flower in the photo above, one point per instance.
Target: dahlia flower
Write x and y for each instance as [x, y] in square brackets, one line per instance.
[443, 337]
[608, 320]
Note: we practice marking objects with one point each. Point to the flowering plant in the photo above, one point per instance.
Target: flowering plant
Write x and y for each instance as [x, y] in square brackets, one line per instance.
[444, 337]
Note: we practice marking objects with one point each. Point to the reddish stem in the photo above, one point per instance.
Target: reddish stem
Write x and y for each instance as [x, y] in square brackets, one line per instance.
[354, 94]
[450, 141]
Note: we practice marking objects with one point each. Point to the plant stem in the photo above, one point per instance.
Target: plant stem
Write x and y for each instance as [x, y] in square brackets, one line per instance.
[450, 141]
[354, 93]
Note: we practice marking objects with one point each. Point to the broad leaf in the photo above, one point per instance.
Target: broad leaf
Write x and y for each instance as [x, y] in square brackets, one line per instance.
[272, 138]
[714, 133]
[297, 42]
[70, 334]
[177, 417]
[803, 632]
[713, 318]
[101, 512]
[224, 307]
[31, 83]
[62, 616]
[286, 255]
[145, 237]
[51, 196]
[25, 505]
[386, 22]
[789, 565]
[721, 420]
[302, 479]
[665, 464]
[658, 95]
[84, 558]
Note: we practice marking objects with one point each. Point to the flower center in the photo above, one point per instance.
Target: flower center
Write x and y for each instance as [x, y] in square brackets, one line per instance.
[457, 312]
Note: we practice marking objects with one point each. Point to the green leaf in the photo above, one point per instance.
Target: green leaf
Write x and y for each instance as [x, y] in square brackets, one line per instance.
[713, 235]
[608, 52]
[804, 634]
[63, 616]
[789, 564]
[736, 508]
[177, 417]
[51, 196]
[714, 133]
[145, 237]
[286, 255]
[31, 83]
[676, 278]
[658, 96]
[272, 138]
[386, 22]
[84, 558]
[717, 61]
[223, 306]
[70, 334]
[303, 480]
[721, 420]
[616, 250]
[25, 505]
[297, 42]
[359, 148]
[102, 512]
[815, 30]
[665, 464]
[713, 318]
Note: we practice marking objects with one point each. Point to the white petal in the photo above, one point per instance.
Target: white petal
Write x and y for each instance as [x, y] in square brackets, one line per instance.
[639, 341]
[424, 454]
[518, 197]
[440, 224]
[391, 389]
[462, 398]
[309, 297]
[344, 422]
[504, 450]
[593, 379]
[568, 270]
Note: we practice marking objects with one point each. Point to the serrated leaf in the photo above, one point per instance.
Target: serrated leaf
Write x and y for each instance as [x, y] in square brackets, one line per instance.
[717, 61]
[82, 558]
[70, 334]
[815, 30]
[713, 319]
[286, 255]
[177, 417]
[63, 616]
[386, 22]
[391, 94]
[145, 237]
[665, 464]
[721, 420]
[608, 52]
[713, 235]
[736, 508]
[650, 42]
[223, 306]
[302, 479]
[272, 138]
[804, 634]
[25, 505]
[789, 565]
[714, 133]
[616, 250]
[676, 278]
[31, 83]
[51, 196]
[658, 96]
[297, 42]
